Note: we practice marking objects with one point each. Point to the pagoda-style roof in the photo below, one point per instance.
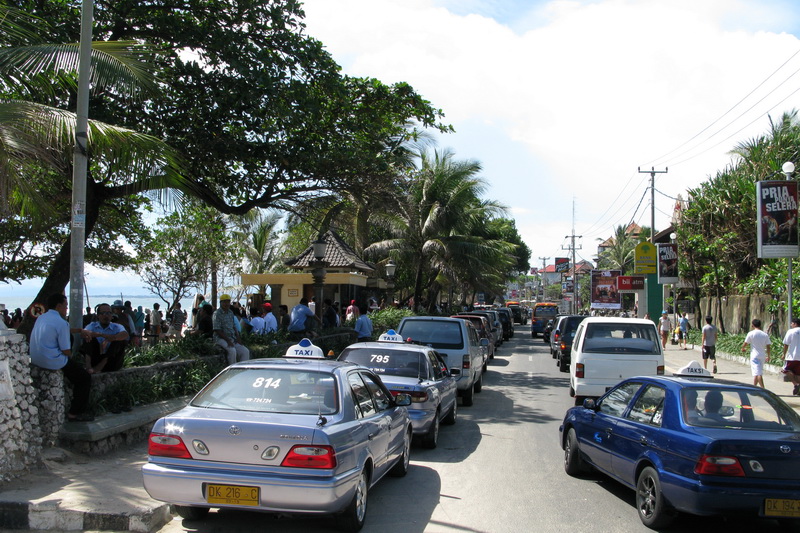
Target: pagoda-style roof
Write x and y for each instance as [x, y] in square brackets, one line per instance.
[338, 256]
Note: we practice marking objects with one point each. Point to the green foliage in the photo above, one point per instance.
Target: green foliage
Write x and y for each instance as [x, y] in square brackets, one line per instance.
[385, 319]
[188, 347]
[731, 343]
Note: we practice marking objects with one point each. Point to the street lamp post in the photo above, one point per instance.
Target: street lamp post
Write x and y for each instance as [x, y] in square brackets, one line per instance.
[318, 271]
[391, 269]
[788, 170]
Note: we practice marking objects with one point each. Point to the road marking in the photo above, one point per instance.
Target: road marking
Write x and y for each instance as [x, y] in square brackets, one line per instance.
[530, 358]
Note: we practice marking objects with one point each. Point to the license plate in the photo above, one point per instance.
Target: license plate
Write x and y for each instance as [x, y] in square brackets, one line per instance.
[783, 508]
[232, 494]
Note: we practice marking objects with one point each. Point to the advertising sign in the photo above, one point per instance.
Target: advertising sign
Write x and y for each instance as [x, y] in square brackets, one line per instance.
[605, 293]
[644, 259]
[562, 264]
[630, 283]
[777, 219]
[667, 263]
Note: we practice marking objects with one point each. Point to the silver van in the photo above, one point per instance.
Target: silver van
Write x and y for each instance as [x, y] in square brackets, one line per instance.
[458, 342]
[607, 350]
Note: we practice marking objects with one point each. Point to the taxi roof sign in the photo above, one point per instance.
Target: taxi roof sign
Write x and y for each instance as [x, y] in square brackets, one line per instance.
[305, 349]
[390, 336]
[693, 370]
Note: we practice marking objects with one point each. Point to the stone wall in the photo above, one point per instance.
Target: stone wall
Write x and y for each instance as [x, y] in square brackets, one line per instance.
[738, 311]
[21, 443]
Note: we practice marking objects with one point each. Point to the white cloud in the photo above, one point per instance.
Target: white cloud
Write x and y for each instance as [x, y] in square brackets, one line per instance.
[579, 93]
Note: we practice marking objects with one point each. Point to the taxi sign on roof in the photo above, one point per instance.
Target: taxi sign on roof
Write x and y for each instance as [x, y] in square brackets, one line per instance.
[391, 336]
[693, 370]
[305, 349]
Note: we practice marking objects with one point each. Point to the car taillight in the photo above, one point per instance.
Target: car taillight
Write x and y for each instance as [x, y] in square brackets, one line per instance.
[660, 370]
[579, 370]
[563, 346]
[416, 396]
[465, 361]
[718, 465]
[304, 456]
[167, 446]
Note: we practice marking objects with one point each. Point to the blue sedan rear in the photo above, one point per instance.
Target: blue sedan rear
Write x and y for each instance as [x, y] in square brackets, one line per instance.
[700, 446]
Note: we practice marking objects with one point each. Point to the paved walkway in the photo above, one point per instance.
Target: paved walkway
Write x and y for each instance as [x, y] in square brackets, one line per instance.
[75, 492]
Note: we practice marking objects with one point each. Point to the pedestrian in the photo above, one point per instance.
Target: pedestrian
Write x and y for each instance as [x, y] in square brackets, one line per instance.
[226, 333]
[352, 311]
[760, 345]
[51, 348]
[328, 314]
[791, 355]
[257, 320]
[285, 319]
[665, 326]
[104, 342]
[299, 325]
[156, 321]
[270, 322]
[363, 325]
[709, 344]
[683, 333]
[177, 319]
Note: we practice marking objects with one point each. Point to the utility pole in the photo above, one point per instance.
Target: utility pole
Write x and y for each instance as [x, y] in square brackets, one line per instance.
[655, 297]
[543, 282]
[652, 173]
[573, 303]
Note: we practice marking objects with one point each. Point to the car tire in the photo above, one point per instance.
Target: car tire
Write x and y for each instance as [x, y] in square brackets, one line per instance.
[452, 415]
[468, 396]
[188, 512]
[562, 366]
[653, 510]
[353, 516]
[400, 469]
[553, 353]
[574, 465]
[479, 384]
[431, 438]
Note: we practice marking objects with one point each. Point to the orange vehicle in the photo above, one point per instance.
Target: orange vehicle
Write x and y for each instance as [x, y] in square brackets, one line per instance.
[542, 313]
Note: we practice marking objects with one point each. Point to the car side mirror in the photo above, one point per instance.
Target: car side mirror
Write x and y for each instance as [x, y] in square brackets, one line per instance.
[726, 411]
[590, 403]
[484, 342]
[402, 399]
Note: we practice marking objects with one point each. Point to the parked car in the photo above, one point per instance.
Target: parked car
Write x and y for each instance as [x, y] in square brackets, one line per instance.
[281, 435]
[494, 321]
[552, 337]
[507, 319]
[457, 341]
[518, 312]
[607, 350]
[417, 371]
[481, 324]
[705, 447]
[565, 333]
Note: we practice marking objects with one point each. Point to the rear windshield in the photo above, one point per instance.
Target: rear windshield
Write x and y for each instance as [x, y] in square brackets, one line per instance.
[440, 334]
[546, 312]
[749, 409]
[392, 362]
[621, 338]
[273, 390]
[570, 324]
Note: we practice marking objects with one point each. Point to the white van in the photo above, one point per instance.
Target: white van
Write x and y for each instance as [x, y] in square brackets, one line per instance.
[607, 350]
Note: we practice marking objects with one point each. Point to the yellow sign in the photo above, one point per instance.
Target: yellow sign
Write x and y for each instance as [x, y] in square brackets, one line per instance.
[644, 259]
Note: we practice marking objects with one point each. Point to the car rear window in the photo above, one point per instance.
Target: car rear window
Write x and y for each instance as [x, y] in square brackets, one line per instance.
[747, 409]
[388, 361]
[545, 312]
[621, 338]
[440, 334]
[273, 390]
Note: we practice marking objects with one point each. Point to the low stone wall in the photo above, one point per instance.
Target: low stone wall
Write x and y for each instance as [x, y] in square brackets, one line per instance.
[738, 311]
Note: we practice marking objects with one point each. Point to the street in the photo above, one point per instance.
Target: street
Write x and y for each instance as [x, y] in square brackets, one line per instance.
[498, 469]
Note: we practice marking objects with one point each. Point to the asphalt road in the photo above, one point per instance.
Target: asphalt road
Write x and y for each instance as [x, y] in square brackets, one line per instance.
[498, 469]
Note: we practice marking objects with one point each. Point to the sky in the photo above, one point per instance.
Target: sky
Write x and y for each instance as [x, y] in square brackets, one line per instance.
[563, 101]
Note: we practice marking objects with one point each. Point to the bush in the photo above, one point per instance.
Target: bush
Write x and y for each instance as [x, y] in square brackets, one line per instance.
[189, 347]
[731, 343]
[385, 319]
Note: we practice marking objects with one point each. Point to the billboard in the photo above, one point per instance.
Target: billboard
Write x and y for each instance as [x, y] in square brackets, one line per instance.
[777, 219]
[667, 263]
[605, 294]
[630, 283]
[644, 259]
[562, 264]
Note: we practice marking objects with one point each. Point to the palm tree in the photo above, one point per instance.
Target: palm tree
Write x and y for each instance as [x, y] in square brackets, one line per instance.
[618, 256]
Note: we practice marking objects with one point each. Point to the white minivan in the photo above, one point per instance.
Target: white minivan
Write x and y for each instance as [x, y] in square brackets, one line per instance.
[607, 350]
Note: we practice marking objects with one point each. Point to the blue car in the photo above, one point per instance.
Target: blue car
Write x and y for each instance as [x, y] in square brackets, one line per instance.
[418, 371]
[700, 446]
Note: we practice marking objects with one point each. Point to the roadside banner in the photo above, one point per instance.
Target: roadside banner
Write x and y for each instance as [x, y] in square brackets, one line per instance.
[644, 259]
[605, 294]
[562, 264]
[777, 219]
[667, 263]
[630, 283]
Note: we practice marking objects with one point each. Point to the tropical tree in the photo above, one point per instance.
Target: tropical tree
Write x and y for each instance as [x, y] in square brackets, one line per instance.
[619, 255]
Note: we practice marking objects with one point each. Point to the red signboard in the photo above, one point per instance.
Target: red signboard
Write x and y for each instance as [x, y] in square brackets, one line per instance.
[630, 283]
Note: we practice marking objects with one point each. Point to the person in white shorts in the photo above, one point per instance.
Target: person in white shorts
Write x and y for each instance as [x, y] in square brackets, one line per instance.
[760, 345]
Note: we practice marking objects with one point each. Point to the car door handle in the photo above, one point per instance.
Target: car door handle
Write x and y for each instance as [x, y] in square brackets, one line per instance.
[643, 440]
[371, 436]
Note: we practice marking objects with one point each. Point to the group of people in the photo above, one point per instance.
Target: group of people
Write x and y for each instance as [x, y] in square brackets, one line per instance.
[11, 320]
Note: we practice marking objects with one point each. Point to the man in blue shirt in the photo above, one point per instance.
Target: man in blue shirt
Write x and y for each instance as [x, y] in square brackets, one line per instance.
[363, 325]
[301, 313]
[226, 331]
[51, 348]
[105, 342]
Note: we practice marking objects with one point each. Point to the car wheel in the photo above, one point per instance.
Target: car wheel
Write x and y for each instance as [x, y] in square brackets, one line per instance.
[467, 396]
[533, 335]
[352, 518]
[579, 400]
[188, 512]
[650, 503]
[401, 468]
[553, 353]
[431, 439]
[563, 366]
[451, 416]
[479, 384]
[573, 462]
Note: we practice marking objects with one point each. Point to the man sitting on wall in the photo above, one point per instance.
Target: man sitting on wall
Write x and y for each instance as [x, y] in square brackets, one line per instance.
[105, 342]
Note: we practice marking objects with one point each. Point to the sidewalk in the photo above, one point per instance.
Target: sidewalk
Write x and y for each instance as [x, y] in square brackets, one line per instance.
[79, 493]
